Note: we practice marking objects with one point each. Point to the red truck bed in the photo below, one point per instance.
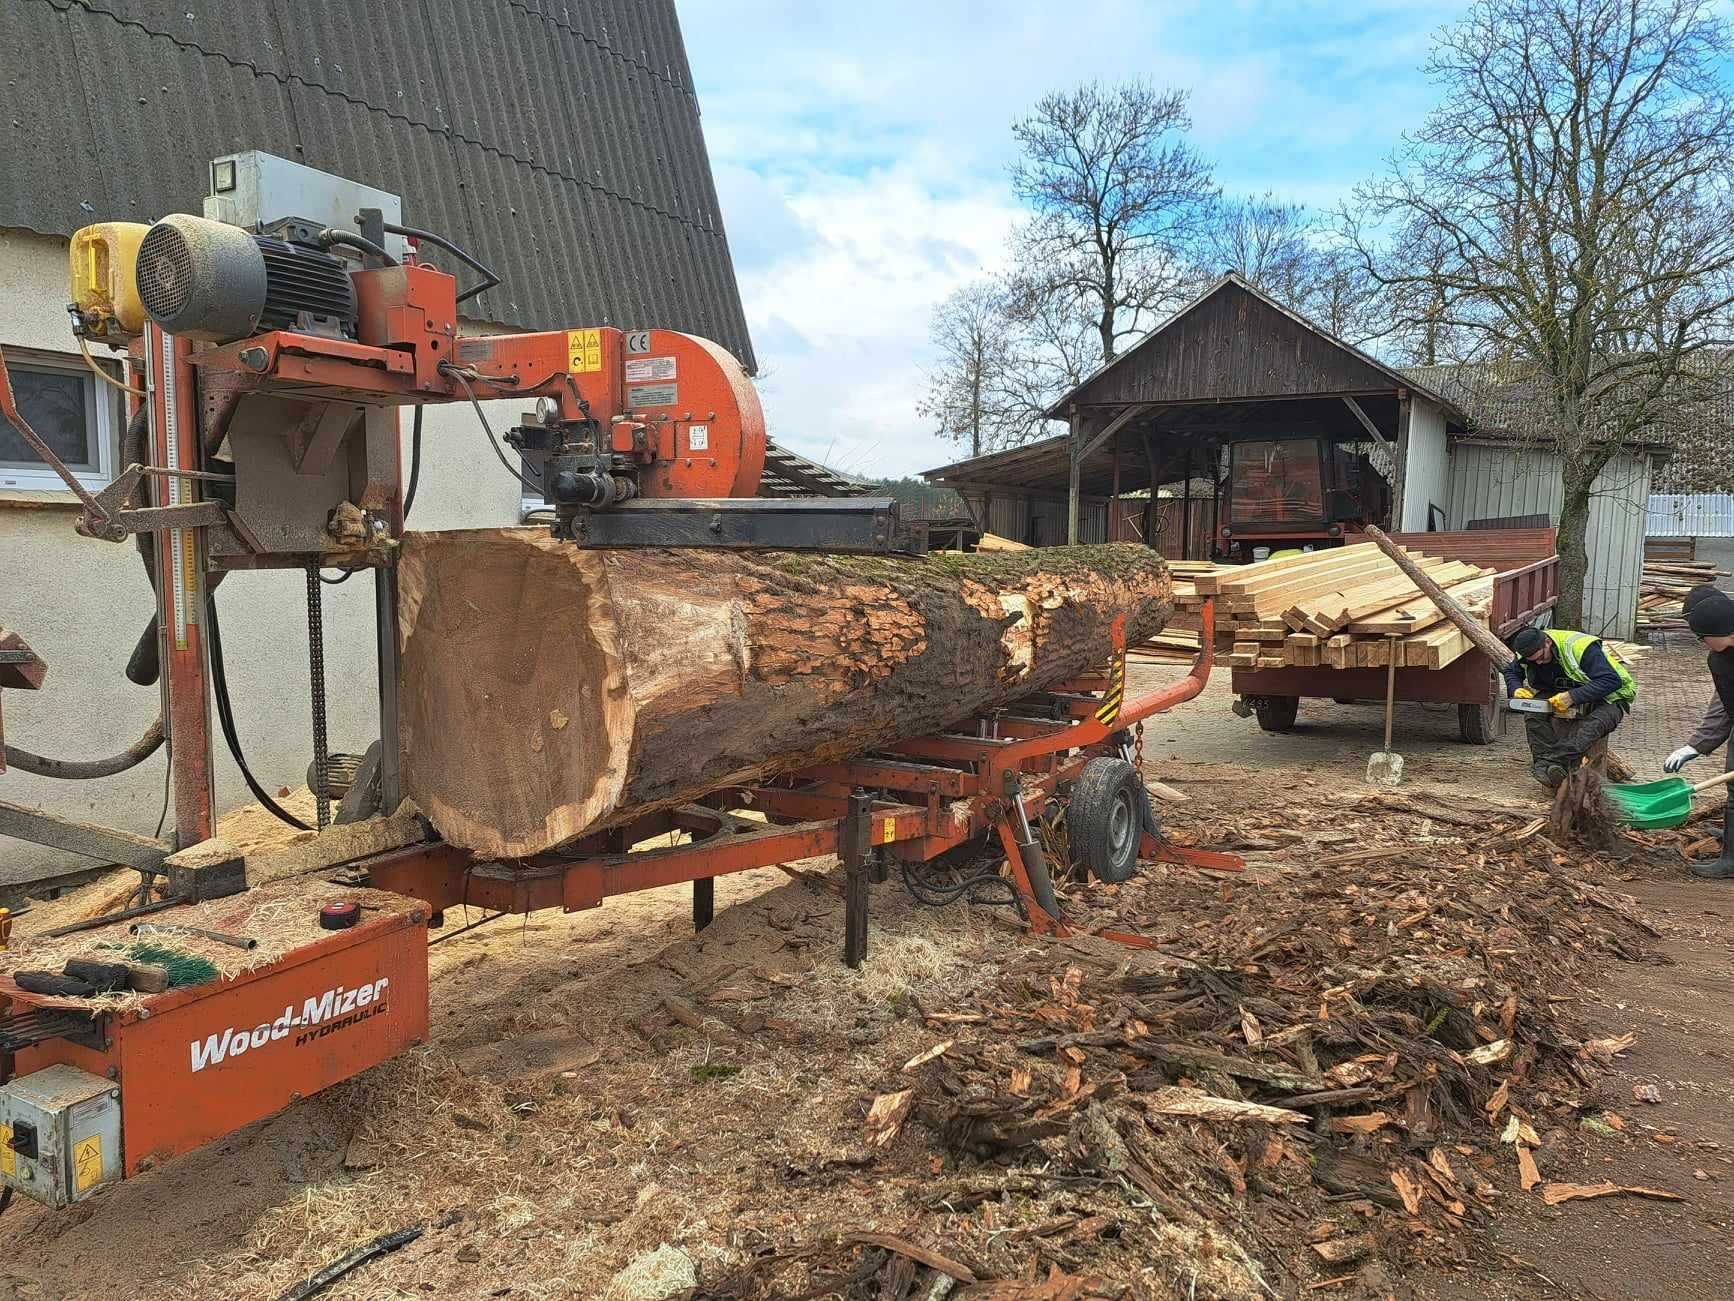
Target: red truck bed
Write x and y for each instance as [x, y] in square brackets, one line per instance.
[1526, 587]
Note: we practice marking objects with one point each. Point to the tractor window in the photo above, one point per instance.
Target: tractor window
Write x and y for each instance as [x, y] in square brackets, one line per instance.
[1275, 482]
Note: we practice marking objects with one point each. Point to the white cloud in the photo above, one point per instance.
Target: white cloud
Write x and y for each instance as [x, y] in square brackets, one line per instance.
[860, 155]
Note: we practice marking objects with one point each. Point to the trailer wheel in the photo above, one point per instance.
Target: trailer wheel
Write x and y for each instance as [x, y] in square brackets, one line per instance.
[1476, 724]
[1106, 818]
[1277, 713]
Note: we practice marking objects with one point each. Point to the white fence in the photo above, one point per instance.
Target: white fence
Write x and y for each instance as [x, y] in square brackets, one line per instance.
[1694, 515]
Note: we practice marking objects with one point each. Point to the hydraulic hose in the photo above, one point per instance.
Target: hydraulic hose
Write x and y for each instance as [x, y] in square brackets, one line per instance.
[86, 769]
[141, 668]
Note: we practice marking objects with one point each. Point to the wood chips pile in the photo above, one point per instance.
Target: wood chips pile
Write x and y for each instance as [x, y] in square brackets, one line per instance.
[1320, 1070]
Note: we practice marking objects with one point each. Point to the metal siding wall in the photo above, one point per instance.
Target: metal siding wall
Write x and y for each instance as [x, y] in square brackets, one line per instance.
[1616, 547]
[1426, 471]
[1690, 515]
[1489, 482]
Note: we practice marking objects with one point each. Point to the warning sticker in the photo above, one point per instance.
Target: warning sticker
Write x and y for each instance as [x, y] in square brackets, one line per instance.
[653, 395]
[698, 438]
[583, 351]
[888, 832]
[646, 370]
[86, 1163]
[8, 1158]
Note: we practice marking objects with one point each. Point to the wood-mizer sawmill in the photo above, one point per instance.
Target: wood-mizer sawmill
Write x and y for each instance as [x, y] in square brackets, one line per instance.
[668, 652]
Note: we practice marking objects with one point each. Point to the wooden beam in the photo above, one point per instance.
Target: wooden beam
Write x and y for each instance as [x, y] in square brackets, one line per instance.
[1366, 422]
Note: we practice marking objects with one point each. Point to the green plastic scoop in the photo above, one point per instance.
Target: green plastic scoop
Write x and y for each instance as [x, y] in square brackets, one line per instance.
[1665, 803]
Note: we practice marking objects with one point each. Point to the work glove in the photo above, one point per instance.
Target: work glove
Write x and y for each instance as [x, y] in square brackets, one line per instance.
[1680, 758]
[1523, 693]
[1561, 703]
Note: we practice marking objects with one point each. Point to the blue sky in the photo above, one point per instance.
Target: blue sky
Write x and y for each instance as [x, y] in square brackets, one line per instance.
[860, 154]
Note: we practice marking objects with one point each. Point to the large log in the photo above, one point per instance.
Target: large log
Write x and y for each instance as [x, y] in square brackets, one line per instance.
[549, 690]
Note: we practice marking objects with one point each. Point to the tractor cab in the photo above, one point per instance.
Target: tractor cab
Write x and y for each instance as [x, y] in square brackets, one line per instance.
[1302, 493]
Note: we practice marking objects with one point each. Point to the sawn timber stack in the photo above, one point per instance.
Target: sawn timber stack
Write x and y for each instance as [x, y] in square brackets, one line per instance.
[548, 690]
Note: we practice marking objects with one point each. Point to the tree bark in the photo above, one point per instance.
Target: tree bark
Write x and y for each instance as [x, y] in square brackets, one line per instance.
[1572, 543]
[548, 691]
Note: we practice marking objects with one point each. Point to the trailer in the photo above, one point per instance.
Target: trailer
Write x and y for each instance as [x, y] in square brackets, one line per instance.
[1524, 590]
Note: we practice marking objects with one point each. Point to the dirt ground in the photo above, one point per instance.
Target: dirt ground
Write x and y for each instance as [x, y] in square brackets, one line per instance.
[560, 1124]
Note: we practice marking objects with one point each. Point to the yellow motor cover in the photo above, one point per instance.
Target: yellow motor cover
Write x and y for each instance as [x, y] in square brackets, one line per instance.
[104, 278]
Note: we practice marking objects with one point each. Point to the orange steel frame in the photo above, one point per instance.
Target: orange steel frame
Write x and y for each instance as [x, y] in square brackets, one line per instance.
[958, 781]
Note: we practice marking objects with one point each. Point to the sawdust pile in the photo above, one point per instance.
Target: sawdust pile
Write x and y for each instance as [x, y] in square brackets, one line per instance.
[1307, 1078]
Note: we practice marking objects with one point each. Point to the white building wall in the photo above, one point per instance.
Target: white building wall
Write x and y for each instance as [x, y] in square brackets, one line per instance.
[1491, 482]
[80, 604]
[1426, 467]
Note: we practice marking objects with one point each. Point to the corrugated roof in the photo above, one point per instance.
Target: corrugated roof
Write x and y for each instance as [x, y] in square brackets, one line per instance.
[558, 141]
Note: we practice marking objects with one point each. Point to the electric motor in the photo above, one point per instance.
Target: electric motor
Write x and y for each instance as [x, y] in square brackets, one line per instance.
[211, 281]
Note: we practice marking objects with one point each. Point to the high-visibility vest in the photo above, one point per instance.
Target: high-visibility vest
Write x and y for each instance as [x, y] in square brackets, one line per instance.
[1568, 650]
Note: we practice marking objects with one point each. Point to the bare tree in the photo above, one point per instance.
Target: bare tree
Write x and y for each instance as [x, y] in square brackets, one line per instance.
[1573, 192]
[1268, 242]
[1117, 195]
[966, 390]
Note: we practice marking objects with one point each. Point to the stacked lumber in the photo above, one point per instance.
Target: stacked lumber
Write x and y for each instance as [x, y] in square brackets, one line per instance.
[1347, 608]
[1662, 590]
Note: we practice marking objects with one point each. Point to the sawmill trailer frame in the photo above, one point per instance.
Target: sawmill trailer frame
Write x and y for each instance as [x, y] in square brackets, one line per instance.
[1525, 588]
[268, 361]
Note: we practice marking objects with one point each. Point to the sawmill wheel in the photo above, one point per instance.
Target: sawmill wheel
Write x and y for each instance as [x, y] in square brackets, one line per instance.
[1106, 819]
[1276, 713]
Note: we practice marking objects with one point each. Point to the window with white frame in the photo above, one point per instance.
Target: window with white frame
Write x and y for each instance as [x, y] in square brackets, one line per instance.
[71, 410]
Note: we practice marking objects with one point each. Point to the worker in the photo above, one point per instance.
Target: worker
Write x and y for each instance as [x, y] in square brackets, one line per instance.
[1566, 669]
[1710, 615]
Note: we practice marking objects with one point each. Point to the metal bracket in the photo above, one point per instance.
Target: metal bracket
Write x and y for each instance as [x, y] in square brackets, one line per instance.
[111, 516]
[862, 524]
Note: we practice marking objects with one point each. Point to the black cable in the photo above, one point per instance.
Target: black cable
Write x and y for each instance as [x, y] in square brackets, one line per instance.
[414, 462]
[349, 239]
[168, 774]
[87, 769]
[489, 279]
[447, 368]
[226, 717]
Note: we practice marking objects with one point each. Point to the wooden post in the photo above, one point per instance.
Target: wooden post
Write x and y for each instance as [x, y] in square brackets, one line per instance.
[1185, 509]
[856, 824]
[1075, 462]
[1400, 461]
[703, 902]
[1114, 501]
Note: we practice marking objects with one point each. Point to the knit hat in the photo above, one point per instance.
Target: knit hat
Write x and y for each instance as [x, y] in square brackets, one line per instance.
[1527, 640]
[1699, 594]
[1712, 617]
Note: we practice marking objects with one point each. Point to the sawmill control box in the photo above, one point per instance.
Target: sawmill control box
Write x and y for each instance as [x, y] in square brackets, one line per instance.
[59, 1134]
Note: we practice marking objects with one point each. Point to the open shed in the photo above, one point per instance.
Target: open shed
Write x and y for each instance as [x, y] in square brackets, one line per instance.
[1233, 365]
[1147, 453]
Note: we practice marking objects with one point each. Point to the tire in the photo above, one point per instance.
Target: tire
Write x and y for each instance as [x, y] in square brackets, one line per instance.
[1277, 713]
[1106, 819]
[1476, 724]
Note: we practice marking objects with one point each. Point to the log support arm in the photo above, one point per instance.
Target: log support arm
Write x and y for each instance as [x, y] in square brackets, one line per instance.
[853, 836]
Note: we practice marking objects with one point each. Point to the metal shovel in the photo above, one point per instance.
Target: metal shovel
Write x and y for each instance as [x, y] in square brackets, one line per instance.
[1385, 768]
